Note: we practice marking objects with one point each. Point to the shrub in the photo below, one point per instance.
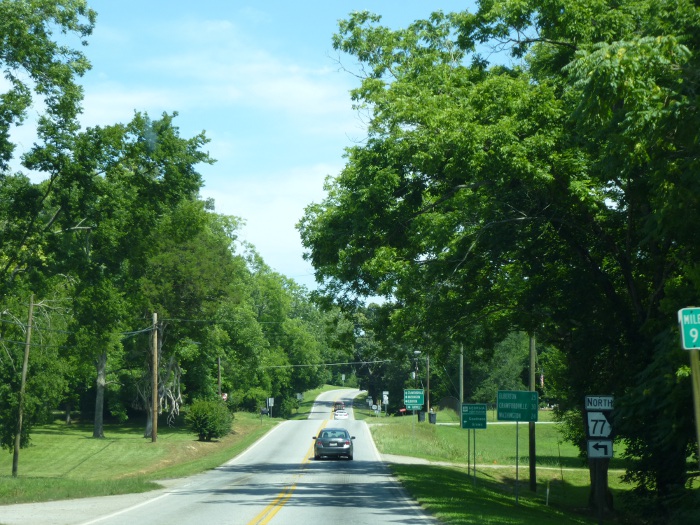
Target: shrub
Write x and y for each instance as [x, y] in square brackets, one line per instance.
[288, 406]
[209, 419]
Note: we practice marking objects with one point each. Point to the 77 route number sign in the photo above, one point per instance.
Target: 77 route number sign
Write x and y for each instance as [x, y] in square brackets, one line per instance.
[599, 426]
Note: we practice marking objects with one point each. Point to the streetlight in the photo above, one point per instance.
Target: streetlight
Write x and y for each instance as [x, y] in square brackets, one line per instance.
[427, 386]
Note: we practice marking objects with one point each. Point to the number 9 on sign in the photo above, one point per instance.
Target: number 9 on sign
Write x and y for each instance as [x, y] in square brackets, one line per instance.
[689, 324]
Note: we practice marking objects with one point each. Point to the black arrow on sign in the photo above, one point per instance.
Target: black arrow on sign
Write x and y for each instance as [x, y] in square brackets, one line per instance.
[598, 446]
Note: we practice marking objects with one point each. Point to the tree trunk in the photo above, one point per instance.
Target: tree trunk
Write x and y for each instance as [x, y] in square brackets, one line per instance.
[69, 408]
[149, 422]
[98, 431]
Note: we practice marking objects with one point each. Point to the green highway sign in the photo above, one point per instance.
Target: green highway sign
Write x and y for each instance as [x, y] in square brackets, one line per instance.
[413, 396]
[414, 407]
[474, 415]
[689, 322]
[517, 405]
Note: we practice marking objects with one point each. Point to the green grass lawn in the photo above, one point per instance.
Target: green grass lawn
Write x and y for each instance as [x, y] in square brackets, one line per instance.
[65, 461]
[562, 478]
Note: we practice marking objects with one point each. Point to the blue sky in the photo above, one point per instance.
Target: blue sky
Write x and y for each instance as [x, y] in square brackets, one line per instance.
[264, 83]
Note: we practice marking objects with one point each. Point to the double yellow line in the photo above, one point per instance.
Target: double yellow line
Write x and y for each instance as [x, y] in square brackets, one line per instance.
[273, 508]
[283, 497]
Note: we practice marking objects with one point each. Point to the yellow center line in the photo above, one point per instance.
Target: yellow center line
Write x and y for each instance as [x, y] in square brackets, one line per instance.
[283, 497]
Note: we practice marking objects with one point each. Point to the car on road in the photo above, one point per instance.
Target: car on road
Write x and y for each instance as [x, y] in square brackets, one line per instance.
[333, 442]
[340, 414]
[338, 405]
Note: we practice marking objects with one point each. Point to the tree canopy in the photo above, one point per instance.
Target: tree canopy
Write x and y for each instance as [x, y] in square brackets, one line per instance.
[105, 226]
[532, 166]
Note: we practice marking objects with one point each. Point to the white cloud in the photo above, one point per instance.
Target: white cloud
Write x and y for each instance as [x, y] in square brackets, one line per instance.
[271, 205]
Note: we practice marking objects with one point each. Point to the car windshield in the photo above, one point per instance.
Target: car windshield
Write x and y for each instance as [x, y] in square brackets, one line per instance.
[334, 434]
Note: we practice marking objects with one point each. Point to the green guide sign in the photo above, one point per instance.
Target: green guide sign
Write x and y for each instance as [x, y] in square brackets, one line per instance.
[517, 405]
[413, 396]
[474, 415]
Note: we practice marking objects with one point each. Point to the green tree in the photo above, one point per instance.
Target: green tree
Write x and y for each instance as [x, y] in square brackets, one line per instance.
[499, 369]
[47, 374]
[40, 73]
[190, 271]
[115, 188]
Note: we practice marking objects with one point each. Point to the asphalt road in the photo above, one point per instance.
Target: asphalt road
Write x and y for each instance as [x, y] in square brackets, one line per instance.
[274, 481]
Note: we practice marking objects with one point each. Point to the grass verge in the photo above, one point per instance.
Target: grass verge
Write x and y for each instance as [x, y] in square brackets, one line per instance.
[456, 494]
[451, 495]
[64, 461]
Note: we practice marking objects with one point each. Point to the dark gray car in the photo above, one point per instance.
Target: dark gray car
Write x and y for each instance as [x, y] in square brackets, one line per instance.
[333, 442]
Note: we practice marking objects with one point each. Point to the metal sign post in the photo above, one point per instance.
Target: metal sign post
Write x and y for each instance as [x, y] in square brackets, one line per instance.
[517, 405]
[599, 431]
[473, 417]
[689, 323]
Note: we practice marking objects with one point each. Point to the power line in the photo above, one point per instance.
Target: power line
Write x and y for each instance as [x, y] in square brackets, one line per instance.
[331, 364]
[224, 321]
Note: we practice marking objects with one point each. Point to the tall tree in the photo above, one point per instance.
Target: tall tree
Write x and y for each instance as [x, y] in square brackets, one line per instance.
[541, 197]
[39, 72]
[190, 271]
[131, 176]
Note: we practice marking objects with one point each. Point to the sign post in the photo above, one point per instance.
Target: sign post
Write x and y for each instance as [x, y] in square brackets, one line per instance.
[689, 324]
[413, 398]
[517, 405]
[599, 431]
[473, 417]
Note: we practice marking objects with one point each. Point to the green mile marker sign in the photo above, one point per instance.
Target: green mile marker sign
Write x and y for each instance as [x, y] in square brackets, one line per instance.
[689, 321]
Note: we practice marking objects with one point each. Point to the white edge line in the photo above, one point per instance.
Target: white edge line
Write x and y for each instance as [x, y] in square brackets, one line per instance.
[399, 488]
[169, 493]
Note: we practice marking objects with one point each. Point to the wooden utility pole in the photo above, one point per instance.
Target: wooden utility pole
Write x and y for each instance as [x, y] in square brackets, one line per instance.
[427, 401]
[695, 379]
[689, 325]
[154, 395]
[461, 375]
[23, 384]
[533, 448]
[219, 374]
